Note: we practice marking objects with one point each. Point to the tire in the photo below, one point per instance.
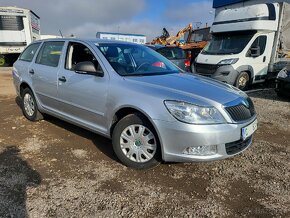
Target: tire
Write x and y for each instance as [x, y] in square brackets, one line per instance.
[135, 142]
[279, 94]
[192, 68]
[243, 81]
[29, 106]
[3, 61]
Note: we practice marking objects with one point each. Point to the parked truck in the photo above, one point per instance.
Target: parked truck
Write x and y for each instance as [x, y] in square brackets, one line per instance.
[18, 28]
[250, 42]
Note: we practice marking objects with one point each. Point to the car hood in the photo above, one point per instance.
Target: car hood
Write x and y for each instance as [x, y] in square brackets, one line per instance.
[194, 86]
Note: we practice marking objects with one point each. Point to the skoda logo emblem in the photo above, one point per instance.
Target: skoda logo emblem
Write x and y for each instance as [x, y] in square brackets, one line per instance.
[246, 103]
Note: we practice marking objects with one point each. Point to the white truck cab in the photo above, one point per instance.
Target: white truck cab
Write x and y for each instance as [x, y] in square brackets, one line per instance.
[248, 43]
[18, 28]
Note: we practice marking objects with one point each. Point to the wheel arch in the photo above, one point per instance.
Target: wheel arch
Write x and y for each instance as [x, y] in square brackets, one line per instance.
[127, 110]
[247, 68]
[23, 86]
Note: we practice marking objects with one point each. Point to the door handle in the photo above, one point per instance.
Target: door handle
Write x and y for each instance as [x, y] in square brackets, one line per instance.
[31, 71]
[62, 79]
[264, 58]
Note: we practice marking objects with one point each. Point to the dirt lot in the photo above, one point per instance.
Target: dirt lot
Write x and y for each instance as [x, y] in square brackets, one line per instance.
[54, 169]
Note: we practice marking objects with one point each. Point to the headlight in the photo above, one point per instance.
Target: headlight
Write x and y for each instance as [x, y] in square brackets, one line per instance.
[283, 73]
[193, 114]
[228, 61]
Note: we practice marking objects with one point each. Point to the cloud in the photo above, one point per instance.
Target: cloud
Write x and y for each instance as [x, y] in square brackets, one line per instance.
[193, 12]
[85, 18]
[70, 14]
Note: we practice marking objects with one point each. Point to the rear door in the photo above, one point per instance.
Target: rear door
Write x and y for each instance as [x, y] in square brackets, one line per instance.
[44, 73]
[82, 97]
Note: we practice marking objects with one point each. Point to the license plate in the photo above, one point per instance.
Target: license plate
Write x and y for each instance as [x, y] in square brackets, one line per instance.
[249, 130]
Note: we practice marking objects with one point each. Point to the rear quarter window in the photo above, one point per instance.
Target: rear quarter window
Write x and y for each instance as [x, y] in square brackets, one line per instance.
[172, 53]
[29, 53]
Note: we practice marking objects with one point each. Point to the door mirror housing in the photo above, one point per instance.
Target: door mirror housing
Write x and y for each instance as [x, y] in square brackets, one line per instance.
[88, 67]
[255, 51]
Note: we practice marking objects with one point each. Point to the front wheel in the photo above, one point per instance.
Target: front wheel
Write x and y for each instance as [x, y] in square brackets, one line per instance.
[135, 142]
[29, 106]
[243, 81]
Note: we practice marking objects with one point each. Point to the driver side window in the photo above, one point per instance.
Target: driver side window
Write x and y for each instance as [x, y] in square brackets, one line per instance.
[76, 53]
[260, 43]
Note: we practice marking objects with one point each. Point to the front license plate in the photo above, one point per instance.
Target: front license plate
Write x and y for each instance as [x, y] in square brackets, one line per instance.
[249, 130]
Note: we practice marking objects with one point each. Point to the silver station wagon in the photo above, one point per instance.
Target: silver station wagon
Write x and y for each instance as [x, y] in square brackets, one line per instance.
[127, 92]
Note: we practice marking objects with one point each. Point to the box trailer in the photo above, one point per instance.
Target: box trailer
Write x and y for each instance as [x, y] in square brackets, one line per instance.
[250, 41]
[18, 28]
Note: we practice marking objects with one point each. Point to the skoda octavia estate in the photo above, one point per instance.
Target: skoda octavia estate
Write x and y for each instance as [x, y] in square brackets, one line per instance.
[127, 92]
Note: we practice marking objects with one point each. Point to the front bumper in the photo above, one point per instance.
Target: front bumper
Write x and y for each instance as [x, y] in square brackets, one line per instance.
[223, 73]
[175, 137]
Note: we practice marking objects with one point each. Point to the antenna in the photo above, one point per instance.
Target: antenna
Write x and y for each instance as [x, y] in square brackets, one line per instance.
[60, 33]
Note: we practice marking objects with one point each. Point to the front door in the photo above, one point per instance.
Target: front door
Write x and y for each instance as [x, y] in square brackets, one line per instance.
[259, 63]
[82, 97]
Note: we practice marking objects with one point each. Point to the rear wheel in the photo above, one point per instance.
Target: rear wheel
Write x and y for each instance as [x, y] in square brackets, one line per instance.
[29, 106]
[243, 81]
[3, 61]
[135, 142]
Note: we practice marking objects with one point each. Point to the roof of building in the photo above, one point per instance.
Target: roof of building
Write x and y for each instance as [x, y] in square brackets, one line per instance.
[123, 34]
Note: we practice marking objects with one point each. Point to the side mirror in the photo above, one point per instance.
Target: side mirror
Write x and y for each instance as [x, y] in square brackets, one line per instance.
[88, 67]
[255, 51]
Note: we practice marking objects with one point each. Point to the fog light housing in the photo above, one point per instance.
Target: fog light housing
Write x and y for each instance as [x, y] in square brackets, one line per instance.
[205, 150]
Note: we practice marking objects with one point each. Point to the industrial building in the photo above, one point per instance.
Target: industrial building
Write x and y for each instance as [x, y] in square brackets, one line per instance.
[135, 38]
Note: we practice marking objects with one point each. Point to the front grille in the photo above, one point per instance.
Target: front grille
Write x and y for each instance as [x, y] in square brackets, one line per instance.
[238, 146]
[205, 69]
[241, 112]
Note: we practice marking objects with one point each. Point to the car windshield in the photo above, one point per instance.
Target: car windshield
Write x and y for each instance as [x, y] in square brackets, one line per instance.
[136, 60]
[199, 35]
[172, 53]
[227, 43]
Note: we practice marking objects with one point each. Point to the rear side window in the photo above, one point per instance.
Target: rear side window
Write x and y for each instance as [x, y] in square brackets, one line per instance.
[29, 52]
[172, 53]
[50, 53]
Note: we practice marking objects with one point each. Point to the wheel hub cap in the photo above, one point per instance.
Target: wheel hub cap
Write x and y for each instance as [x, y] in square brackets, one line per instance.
[138, 143]
[29, 106]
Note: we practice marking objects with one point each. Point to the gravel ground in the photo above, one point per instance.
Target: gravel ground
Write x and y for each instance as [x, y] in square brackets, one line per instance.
[54, 169]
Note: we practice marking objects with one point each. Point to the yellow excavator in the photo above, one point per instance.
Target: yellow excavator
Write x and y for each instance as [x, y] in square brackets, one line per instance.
[194, 40]
[166, 39]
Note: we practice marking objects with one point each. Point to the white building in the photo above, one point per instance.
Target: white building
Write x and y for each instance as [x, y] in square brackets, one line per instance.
[135, 38]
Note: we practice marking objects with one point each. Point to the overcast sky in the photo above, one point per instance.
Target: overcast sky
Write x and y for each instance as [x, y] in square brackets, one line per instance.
[84, 18]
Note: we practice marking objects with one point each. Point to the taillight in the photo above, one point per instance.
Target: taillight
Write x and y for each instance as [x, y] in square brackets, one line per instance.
[187, 63]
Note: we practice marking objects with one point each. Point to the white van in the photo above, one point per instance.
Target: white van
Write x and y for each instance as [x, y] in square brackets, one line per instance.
[248, 43]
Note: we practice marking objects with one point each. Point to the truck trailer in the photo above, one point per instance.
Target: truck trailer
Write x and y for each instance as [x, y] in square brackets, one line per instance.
[250, 42]
[18, 28]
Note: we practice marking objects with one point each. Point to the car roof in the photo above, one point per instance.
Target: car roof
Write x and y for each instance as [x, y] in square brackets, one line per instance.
[86, 40]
